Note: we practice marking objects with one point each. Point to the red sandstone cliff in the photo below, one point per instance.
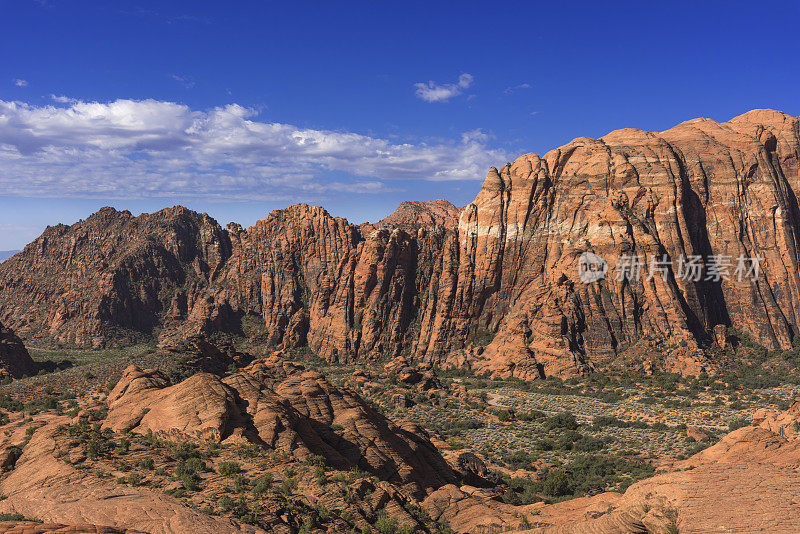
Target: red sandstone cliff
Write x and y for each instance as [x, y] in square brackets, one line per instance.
[500, 292]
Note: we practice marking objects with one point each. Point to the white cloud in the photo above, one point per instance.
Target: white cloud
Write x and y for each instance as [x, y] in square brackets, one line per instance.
[185, 81]
[63, 99]
[433, 92]
[151, 148]
[20, 82]
[515, 88]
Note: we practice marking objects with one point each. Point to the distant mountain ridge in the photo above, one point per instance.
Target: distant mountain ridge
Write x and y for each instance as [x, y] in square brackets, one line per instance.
[411, 215]
[499, 291]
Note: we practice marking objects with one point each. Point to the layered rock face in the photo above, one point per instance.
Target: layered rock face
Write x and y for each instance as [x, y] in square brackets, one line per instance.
[501, 292]
[14, 358]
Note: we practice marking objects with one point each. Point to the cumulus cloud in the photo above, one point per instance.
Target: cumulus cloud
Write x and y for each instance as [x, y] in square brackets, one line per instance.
[433, 92]
[151, 148]
[20, 82]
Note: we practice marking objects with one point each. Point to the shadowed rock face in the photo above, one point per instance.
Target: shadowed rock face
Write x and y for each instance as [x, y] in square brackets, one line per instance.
[112, 279]
[14, 358]
[500, 292]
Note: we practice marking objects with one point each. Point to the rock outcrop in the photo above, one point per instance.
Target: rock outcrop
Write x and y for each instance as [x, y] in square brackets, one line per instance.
[280, 406]
[15, 361]
[44, 487]
[500, 293]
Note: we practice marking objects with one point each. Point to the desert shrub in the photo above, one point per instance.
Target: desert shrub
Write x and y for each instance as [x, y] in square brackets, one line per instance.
[588, 444]
[262, 485]
[533, 415]
[389, 525]
[229, 468]
[183, 451]
[190, 481]
[601, 421]
[96, 448]
[505, 415]
[147, 463]
[188, 471]
[7, 516]
[563, 420]
[123, 446]
[518, 460]
[557, 483]
[226, 503]
[288, 486]
[316, 459]
[249, 450]
[240, 483]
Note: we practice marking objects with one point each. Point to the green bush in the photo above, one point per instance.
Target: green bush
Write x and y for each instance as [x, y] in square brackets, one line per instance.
[563, 420]
[229, 468]
[738, 423]
[557, 483]
[147, 463]
[262, 485]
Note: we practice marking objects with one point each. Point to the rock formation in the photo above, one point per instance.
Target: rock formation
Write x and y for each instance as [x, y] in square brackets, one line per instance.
[32, 527]
[280, 406]
[44, 487]
[500, 293]
[14, 358]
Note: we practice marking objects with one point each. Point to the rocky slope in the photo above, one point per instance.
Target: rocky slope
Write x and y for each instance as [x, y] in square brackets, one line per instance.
[278, 418]
[14, 358]
[111, 279]
[499, 293]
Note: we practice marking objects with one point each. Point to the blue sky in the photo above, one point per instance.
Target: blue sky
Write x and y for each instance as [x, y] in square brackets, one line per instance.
[239, 108]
